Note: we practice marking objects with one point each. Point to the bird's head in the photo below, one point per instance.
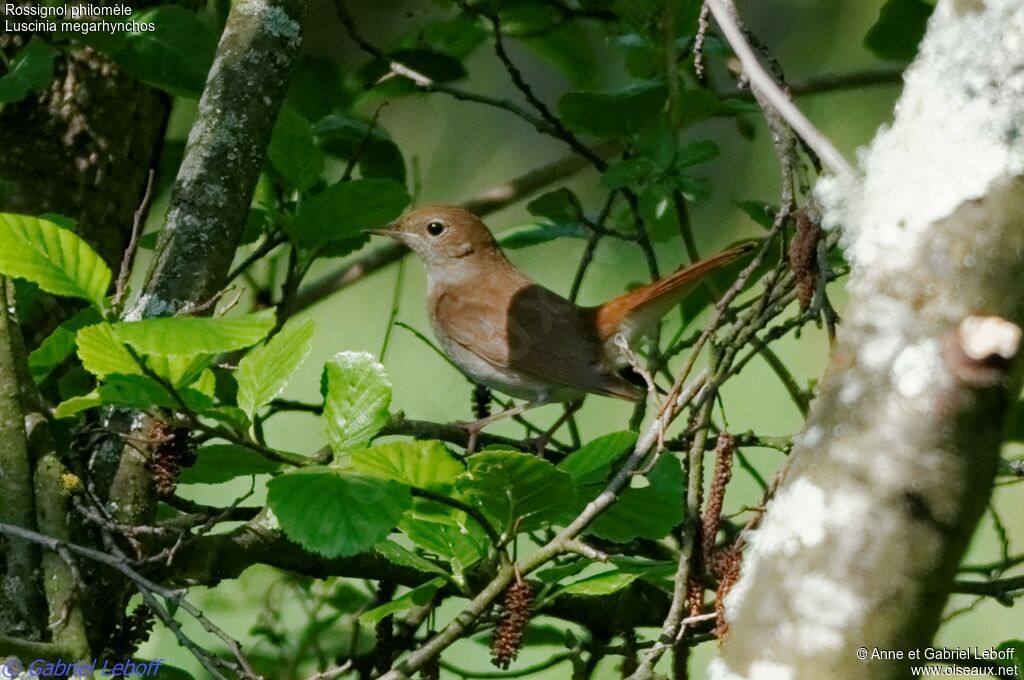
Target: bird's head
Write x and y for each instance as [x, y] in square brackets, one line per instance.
[441, 233]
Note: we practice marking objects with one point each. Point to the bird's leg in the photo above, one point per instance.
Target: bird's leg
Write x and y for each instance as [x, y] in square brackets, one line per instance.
[475, 427]
[541, 442]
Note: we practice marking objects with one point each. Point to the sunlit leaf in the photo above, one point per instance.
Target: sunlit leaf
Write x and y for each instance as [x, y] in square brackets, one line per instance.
[266, 370]
[357, 400]
[53, 258]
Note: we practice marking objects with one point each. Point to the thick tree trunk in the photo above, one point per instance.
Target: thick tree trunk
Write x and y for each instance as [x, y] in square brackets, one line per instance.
[861, 542]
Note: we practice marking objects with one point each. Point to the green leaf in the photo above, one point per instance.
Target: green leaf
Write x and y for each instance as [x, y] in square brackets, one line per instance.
[560, 205]
[618, 114]
[53, 258]
[696, 153]
[193, 335]
[218, 463]
[762, 213]
[535, 234]
[650, 512]
[512, 487]
[139, 391]
[423, 464]
[75, 405]
[568, 48]
[317, 88]
[102, 352]
[901, 25]
[1015, 652]
[265, 371]
[456, 37]
[601, 584]
[402, 556]
[31, 70]
[418, 596]
[345, 209]
[382, 159]
[462, 544]
[60, 344]
[592, 463]
[175, 57]
[632, 171]
[357, 400]
[292, 151]
[336, 514]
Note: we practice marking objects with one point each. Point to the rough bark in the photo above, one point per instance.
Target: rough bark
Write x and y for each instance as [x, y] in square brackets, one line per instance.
[861, 542]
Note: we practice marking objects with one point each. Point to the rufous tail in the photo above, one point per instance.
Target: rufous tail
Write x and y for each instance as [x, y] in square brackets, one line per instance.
[638, 310]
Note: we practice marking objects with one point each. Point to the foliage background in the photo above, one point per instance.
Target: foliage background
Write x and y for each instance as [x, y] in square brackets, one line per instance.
[462, 149]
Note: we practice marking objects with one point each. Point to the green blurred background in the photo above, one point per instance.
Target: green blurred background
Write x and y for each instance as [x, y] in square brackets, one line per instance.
[461, 149]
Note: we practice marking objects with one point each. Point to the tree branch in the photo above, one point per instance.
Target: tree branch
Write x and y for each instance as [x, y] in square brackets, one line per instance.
[861, 542]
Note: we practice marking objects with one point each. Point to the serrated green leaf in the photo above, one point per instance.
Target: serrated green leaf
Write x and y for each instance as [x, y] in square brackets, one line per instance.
[461, 544]
[195, 335]
[601, 584]
[59, 345]
[535, 234]
[175, 57]
[560, 205]
[292, 151]
[592, 463]
[357, 400]
[102, 352]
[900, 26]
[650, 512]
[219, 463]
[618, 114]
[402, 556]
[55, 259]
[31, 70]
[265, 371]
[418, 596]
[423, 464]
[517, 489]
[336, 514]
[344, 210]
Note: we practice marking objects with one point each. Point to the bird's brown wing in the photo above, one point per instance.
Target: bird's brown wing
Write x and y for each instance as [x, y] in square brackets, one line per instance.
[538, 333]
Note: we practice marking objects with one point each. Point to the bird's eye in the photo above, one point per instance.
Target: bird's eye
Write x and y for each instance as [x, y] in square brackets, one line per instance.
[435, 228]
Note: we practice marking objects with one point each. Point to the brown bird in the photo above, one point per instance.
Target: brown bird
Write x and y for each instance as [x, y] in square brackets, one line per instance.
[512, 334]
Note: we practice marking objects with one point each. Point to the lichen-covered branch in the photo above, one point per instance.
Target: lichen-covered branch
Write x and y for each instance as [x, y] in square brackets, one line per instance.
[861, 543]
[225, 152]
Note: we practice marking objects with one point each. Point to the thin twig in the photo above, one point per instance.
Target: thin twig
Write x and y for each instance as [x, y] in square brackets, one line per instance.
[725, 15]
[138, 221]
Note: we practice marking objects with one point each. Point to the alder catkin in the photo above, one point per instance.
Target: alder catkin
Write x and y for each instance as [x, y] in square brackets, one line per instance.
[508, 636]
[173, 450]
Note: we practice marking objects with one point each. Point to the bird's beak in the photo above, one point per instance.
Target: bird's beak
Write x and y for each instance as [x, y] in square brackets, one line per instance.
[392, 233]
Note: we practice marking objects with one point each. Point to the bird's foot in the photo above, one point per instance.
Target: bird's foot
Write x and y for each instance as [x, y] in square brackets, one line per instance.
[472, 428]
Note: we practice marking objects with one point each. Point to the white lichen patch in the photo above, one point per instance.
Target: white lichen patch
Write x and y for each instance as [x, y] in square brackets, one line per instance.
[920, 369]
[957, 132]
